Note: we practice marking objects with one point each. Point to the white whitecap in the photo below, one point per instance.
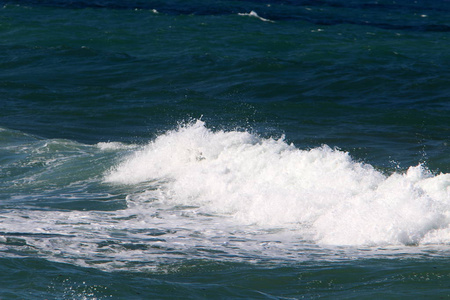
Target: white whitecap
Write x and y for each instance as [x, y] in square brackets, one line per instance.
[270, 183]
[255, 15]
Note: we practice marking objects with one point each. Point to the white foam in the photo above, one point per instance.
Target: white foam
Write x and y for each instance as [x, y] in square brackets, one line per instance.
[253, 14]
[222, 195]
[108, 146]
[270, 183]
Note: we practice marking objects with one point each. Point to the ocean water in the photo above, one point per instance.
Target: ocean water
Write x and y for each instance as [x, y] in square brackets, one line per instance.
[224, 149]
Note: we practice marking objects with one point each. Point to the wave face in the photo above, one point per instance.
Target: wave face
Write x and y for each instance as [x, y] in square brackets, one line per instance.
[322, 194]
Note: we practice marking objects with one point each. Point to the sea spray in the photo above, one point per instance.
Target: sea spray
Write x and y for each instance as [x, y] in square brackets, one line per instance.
[270, 183]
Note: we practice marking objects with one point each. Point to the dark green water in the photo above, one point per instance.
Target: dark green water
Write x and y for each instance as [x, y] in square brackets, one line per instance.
[367, 279]
[171, 150]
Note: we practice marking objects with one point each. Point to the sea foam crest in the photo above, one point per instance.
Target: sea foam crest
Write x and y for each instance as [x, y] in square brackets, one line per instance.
[268, 182]
[253, 14]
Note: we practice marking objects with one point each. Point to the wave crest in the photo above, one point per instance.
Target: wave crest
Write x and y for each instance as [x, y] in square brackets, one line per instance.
[269, 182]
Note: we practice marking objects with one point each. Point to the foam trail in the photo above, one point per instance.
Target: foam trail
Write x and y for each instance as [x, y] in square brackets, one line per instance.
[270, 183]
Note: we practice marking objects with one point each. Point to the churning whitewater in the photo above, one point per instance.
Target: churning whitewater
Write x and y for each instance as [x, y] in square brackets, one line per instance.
[198, 193]
[321, 194]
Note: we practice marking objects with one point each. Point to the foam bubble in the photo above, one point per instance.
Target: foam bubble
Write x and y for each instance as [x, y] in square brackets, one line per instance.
[270, 183]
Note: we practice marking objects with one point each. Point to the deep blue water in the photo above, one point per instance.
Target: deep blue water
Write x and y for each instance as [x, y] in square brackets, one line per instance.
[224, 149]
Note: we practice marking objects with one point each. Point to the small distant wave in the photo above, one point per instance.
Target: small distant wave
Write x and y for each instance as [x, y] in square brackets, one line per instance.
[255, 15]
[323, 14]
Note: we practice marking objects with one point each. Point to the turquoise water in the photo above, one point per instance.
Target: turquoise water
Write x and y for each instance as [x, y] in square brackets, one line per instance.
[224, 149]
